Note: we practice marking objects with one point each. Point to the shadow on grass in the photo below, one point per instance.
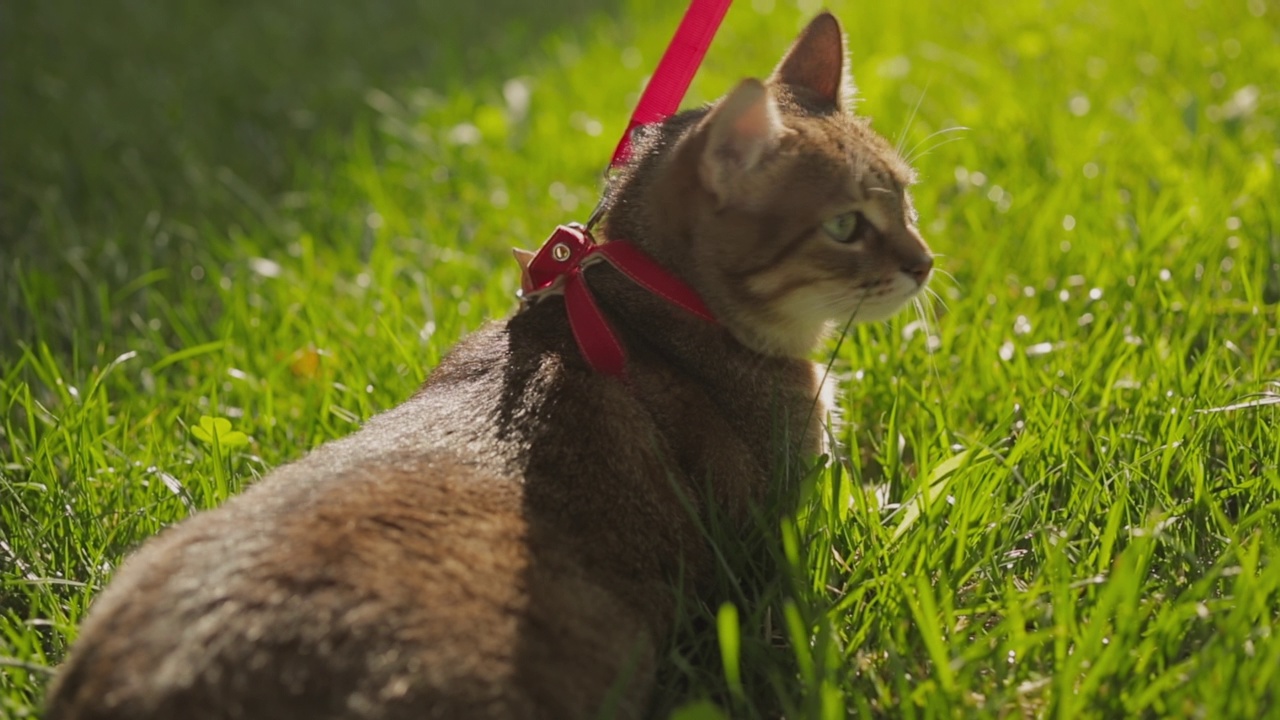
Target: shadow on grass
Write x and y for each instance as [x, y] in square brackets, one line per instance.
[122, 108]
[124, 118]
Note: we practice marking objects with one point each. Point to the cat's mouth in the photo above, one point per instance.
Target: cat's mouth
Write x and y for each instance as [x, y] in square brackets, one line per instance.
[881, 300]
[799, 318]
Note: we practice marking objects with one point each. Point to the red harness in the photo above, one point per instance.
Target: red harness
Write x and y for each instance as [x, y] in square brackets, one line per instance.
[557, 266]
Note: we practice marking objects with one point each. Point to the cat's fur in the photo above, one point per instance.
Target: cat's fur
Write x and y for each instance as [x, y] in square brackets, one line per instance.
[507, 543]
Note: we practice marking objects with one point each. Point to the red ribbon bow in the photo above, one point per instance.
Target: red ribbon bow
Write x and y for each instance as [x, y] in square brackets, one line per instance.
[557, 268]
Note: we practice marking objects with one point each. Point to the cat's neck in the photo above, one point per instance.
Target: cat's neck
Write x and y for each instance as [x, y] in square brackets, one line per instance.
[654, 207]
[652, 200]
[668, 345]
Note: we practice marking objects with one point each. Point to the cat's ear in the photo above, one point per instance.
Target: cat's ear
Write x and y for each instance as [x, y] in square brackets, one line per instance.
[817, 62]
[524, 257]
[740, 130]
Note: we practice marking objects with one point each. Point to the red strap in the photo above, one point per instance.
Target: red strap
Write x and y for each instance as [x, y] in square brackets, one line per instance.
[651, 276]
[676, 69]
[557, 268]
[596, 340]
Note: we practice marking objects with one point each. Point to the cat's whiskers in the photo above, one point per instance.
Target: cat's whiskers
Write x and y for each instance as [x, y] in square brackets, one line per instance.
[928, 319]
[938, 299]
[918, 306]
[913, 155]
[911, 118]
[947, 275]
[926, 306]
[833, 411]
[933, 292]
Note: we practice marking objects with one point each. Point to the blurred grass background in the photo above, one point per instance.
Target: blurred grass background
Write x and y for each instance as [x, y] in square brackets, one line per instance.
[1058, 498]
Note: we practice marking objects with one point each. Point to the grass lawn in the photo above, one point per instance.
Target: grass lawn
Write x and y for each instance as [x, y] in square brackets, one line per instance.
[1060, 496]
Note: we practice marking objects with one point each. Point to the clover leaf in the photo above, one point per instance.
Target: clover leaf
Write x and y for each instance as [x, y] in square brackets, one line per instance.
[218, 432]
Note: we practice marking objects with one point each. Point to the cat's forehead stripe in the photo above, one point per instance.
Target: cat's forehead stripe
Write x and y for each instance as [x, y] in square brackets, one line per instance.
[872, 183]
[888, 176]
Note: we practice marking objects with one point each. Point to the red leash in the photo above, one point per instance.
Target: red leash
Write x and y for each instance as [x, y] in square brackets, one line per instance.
[557, 267]
[675, 70]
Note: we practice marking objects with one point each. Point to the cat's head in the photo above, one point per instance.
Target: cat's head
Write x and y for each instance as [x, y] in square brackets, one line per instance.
[780, 206]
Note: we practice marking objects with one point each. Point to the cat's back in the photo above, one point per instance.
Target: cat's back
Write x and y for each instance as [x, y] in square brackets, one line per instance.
[384, 573]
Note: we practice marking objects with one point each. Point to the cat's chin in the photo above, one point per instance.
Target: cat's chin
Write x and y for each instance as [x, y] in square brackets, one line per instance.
[877, 310]
[792, 341]
[886, 303]
[803, 329]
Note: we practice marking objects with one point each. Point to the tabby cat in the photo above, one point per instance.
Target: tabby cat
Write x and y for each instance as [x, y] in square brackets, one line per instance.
[508, 542]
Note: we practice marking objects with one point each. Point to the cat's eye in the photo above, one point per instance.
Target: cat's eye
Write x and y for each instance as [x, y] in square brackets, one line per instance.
[847, 227]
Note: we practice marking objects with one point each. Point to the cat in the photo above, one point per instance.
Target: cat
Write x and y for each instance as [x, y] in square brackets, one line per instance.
[508, 543]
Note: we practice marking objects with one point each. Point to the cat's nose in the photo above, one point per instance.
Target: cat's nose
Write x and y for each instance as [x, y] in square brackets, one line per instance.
[919, 268]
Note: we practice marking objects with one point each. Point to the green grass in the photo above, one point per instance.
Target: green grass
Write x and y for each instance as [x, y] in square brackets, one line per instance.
[1060, 498]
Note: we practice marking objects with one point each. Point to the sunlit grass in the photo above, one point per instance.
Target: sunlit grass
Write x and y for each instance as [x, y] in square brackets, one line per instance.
[1057, 489]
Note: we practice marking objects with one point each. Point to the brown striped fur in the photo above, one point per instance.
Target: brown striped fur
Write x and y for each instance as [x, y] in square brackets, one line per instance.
[508, 543]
